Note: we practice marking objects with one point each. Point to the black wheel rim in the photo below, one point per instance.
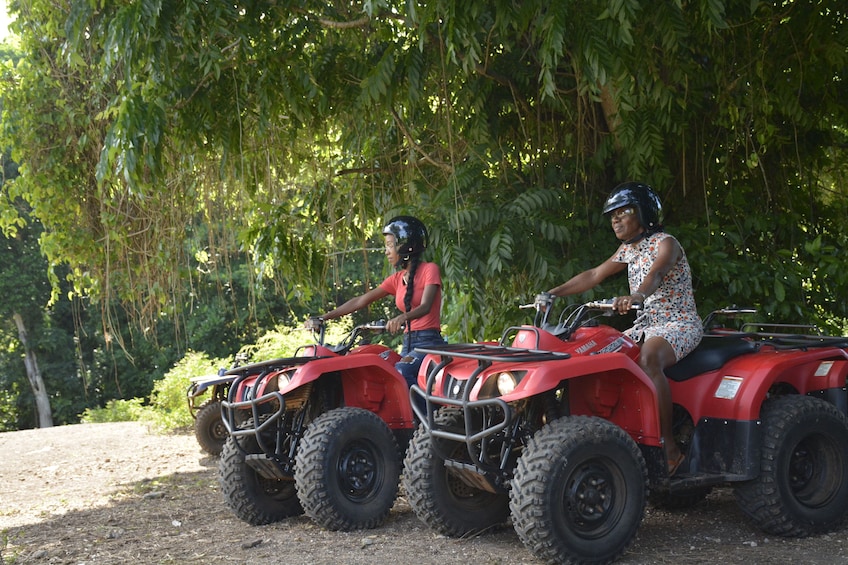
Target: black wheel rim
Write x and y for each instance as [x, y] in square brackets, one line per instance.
[218, 431]
[591, 499]
[815, 471]
[359, 471]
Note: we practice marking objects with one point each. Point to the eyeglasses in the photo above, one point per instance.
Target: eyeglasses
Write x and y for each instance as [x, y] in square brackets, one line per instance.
[621, 213]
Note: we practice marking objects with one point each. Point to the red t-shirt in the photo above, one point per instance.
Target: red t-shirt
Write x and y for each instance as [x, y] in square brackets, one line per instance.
[426, 274]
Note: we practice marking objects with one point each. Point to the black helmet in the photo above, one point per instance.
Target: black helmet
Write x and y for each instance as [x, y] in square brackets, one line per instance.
[641, 196]
[410, 235]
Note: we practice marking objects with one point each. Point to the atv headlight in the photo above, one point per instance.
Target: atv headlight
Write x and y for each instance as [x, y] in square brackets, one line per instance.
[507, 381]
[283, 380]
[499, 384]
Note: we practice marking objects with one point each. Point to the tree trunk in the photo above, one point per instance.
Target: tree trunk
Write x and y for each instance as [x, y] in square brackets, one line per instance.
[42, 401]
[610, 109]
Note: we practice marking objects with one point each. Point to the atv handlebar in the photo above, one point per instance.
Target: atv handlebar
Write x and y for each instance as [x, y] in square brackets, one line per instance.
[544, 300]
[573, 316]
[317, 326]
[377, 326]
[317, 323]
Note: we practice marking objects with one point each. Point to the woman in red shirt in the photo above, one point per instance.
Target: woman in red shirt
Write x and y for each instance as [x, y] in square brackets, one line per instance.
[417, 288]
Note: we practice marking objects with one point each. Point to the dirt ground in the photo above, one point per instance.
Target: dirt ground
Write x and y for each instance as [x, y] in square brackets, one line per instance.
[117, 493]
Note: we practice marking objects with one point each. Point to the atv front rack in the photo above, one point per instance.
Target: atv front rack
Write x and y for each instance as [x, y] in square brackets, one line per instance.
[260, 421]
[476, 433]
[271, 365]
[494, 353]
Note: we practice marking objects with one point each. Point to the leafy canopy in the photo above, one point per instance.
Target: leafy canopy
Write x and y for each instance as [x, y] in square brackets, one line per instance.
[293, 129]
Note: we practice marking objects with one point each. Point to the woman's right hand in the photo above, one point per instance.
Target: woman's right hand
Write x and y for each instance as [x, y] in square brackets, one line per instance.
[396, 324]
[623, 304]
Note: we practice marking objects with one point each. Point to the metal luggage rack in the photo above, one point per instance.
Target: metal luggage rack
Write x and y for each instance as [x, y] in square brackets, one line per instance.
[771, 334]
[271, 365]
[494, 353]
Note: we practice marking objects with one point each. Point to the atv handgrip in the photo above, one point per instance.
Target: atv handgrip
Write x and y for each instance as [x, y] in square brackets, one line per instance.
[542, 300]
[314, 323]
[607, 305]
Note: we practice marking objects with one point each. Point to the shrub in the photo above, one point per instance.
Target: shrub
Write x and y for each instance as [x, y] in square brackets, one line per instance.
[168, 408]
[114, 411]
[284, 341]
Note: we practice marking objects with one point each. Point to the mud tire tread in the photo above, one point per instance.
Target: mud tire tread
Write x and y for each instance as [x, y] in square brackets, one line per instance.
[429, 492]
[321, 487]
[556, 457]
[242, 488]
[769, 500]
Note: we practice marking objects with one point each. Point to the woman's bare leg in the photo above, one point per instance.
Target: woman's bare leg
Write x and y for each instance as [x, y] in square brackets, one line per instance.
[656, 355]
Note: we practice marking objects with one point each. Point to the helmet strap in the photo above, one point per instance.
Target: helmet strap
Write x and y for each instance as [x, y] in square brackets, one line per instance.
[639, 237]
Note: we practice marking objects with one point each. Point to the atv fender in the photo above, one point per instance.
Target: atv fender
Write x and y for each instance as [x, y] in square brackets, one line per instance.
[389, 355]
[616, 390]
[368, 380]
[609, 385]
[200, 384]
[738, 390]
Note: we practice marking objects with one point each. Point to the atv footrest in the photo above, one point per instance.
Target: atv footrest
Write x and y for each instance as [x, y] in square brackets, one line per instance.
[685, 482]
[470, 475]
[265, 467]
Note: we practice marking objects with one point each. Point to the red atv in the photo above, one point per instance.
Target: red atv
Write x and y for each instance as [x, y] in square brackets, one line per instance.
[557, 425]
[318, 433]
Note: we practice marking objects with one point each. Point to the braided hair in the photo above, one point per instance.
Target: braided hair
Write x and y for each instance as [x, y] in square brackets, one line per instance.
[414, 261]
[411, 240]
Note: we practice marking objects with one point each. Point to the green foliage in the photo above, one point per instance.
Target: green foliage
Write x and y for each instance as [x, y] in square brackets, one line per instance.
[115, 411]
[285, 341]
[168, 408]
[8, 412]
[186, 159]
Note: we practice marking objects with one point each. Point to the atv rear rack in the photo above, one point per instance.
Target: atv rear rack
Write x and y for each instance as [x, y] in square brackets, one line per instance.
[785, 340]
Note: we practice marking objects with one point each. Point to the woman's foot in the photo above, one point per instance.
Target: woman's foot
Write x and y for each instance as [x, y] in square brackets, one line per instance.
[674, 463]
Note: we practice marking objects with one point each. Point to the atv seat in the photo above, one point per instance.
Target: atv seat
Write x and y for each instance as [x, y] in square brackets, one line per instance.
[711, 353]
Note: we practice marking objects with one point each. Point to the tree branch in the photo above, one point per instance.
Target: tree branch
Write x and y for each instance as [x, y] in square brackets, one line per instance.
[427, 158]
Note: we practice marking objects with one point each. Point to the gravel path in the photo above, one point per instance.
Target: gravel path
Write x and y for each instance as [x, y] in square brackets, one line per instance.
[117, 494]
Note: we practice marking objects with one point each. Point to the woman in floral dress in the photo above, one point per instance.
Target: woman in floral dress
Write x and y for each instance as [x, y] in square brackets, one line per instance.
[668, 326]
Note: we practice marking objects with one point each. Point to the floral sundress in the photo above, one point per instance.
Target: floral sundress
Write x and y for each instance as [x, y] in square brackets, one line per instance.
[670, 311]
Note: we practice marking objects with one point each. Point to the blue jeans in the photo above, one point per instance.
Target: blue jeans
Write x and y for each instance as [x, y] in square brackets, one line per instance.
[411, 362]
